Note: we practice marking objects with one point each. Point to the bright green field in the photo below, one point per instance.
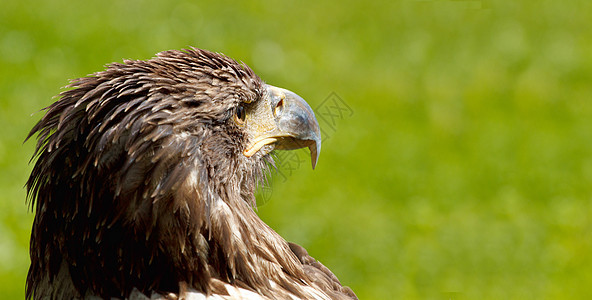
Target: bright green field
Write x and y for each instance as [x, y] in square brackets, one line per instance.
[462, 171]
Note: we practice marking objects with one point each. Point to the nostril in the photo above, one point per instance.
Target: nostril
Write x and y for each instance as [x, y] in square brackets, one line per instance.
[279, 107]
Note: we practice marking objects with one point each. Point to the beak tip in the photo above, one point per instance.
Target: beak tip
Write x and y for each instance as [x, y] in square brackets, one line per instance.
[315, 150]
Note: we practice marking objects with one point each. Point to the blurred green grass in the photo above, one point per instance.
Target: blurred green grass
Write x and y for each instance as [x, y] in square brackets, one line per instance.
[464, 172]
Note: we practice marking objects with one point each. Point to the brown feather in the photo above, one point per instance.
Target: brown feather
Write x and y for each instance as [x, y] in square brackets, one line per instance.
[140, 187]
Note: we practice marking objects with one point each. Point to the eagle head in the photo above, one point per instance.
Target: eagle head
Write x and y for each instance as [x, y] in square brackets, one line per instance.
[145, 178]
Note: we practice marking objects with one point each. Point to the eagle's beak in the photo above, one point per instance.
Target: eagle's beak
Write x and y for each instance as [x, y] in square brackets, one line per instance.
[284, 119]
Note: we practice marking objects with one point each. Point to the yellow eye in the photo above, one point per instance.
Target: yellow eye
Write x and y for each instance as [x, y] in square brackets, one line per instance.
[240, 115]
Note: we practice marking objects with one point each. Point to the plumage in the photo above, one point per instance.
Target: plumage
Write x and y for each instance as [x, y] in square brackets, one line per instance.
[144, 184]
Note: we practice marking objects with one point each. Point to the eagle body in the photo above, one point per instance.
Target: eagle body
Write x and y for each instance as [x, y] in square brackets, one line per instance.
[144, 186]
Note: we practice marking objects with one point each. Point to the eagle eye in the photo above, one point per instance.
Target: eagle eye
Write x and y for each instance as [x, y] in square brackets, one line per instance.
[240, 115]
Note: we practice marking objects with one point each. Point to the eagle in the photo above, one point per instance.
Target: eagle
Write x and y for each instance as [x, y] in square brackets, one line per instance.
[144, 181]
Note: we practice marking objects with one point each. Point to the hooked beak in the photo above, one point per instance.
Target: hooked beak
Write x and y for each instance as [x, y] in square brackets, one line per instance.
[285, 120]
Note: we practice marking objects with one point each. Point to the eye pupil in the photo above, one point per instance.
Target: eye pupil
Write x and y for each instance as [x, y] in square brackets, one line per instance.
[240, 113]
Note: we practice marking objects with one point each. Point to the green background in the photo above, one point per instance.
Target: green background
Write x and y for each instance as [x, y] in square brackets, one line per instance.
[462, 171]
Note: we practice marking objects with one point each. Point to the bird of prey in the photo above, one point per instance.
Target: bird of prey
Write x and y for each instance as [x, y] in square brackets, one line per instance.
[144, 182]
